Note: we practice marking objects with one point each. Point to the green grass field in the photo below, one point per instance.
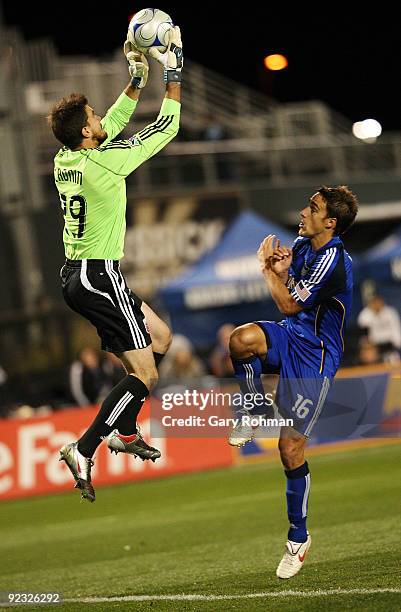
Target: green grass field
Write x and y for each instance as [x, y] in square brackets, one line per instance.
[219, 533]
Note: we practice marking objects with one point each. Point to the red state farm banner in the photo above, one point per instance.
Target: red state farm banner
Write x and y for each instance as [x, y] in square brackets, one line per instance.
[29, 454]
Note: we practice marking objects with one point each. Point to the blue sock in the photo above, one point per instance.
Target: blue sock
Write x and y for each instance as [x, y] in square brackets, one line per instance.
[248, 372]
[298, 485]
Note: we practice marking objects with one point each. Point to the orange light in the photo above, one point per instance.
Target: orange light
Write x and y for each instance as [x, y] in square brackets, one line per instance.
[275, 62]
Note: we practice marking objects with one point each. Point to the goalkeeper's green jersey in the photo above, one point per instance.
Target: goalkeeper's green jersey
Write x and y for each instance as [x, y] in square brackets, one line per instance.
[91, 182]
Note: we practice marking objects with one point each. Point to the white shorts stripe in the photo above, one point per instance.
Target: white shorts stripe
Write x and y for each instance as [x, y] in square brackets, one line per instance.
[322, 397]
[128, 307]
[86, 283]
[125, 296]
[133, 327]
[118, 408]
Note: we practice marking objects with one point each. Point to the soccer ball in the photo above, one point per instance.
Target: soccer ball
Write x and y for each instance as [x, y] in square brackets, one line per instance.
[148, 28]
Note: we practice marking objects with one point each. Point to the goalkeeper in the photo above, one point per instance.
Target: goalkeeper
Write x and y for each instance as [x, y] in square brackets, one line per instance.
[90, 172]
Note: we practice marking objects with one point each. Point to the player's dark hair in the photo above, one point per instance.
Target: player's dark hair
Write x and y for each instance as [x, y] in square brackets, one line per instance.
[67, 118]
[341, 204]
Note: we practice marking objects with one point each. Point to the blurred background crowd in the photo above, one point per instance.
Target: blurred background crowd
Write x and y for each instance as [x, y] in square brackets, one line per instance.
[93, 373]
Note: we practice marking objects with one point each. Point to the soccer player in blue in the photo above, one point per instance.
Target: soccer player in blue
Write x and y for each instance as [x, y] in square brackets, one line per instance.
[312, 286]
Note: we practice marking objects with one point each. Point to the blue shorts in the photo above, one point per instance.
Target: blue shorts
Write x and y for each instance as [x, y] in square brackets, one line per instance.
[302, 389]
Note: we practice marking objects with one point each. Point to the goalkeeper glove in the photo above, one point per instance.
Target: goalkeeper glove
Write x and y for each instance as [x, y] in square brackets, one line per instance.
[172, 59]
[138, 66]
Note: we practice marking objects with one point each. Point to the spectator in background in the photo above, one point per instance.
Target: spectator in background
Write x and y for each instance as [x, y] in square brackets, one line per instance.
[3, 391]
[383, 326]
[86, 378]
[220, 360]
[213, 130]
[3, 377]
[25, 411]
[181, 362]
[368, 354]
[113, 371]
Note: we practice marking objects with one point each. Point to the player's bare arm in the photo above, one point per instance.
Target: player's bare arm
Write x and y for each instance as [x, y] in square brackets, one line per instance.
[173, 91]
[275, 263]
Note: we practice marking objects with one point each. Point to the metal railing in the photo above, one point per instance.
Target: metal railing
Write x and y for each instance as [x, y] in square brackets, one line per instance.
[262, 140]
[251, 162]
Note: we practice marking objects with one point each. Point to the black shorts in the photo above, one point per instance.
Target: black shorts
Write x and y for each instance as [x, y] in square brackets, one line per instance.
[96, 289]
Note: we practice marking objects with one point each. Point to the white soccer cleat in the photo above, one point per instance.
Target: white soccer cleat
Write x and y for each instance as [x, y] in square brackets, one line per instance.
[293, 558]
[243, 432]
[80, 468]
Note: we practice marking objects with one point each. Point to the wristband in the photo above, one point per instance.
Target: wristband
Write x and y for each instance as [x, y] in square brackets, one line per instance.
[172, 76]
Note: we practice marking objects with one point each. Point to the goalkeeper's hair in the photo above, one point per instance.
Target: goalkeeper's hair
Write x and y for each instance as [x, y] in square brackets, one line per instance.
[342, 205]
[67, 118]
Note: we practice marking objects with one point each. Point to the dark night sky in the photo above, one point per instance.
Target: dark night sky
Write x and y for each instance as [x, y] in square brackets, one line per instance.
[350, 61]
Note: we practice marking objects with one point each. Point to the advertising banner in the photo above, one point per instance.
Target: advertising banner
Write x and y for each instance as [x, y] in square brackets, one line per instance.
[29, 454]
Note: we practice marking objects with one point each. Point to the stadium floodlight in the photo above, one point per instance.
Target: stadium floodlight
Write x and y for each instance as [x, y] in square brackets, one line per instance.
[368, 130]
[275, 62]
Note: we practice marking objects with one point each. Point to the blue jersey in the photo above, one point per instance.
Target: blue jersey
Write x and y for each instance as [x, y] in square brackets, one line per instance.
[321, 283]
